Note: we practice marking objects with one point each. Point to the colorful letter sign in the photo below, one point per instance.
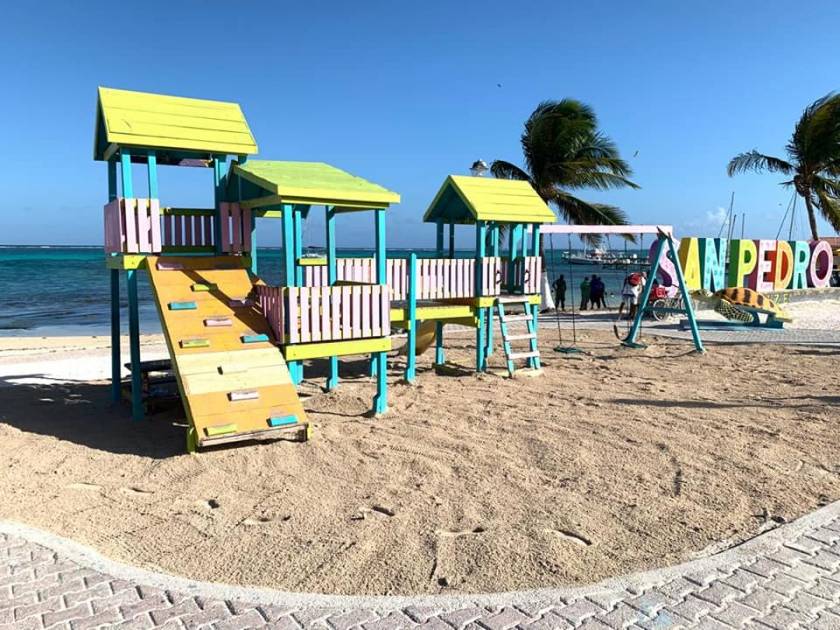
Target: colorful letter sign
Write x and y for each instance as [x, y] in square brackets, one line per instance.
[761, 265]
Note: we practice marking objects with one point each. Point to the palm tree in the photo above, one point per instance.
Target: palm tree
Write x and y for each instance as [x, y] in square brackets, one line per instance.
[813, 163]
[564, 150]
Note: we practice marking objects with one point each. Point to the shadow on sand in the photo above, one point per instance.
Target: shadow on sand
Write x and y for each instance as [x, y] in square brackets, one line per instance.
[83, 413]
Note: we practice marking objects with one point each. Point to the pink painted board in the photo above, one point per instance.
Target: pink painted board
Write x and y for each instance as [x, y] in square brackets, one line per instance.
[315, 313]
[366, 311]
[224, 214]
[335, 312]
[144, 227]
[346, 325]
[376, 316]
[326, 312]
[293, 310]
[236, 219]
[130, 214]
[154, 216]
[356, 311]
[246, 227]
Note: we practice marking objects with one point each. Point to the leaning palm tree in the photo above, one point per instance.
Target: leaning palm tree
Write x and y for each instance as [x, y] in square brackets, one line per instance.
[564, 150]
[813, 164]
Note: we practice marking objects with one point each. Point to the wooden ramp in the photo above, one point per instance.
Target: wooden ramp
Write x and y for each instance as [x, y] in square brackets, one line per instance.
[233, 380]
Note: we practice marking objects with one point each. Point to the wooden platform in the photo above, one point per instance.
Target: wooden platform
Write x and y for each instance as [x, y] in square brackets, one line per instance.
[232, 390]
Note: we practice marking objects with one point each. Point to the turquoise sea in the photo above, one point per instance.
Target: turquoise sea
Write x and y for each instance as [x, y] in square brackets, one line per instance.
[66, 290]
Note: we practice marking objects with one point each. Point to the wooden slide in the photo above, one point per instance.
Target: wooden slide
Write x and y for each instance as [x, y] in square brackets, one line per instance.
[233, 380]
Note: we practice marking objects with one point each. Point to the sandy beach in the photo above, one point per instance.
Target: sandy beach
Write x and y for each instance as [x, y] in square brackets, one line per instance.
[613, 460]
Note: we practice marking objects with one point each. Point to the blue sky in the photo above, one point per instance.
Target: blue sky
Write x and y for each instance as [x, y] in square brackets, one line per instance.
[406, 93]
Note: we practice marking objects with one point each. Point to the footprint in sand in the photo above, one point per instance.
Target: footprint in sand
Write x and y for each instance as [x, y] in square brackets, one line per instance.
[466, 532]
[209, 504]
[83, 486]
[264, 520]
[135, 491]
[571, 536]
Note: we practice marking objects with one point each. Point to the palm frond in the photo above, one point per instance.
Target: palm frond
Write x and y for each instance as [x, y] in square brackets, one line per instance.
[829, 208]
[506, 170]
[816, 137]
[827, 185]
[757, 162]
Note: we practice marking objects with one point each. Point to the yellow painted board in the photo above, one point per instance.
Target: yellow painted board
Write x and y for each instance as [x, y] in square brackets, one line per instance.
[217, 403]
[228, 361]
[444, 312]
[126, 261]
[120, 127]
[189, 327]
[336, 348]
[255, 377]
[246, 421]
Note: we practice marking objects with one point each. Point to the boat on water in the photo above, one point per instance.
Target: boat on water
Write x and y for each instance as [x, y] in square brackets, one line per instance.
[599, 257]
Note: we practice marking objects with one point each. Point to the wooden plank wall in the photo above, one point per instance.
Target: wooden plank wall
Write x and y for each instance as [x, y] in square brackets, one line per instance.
[313, 314]
[527, 272]
[437, 278]
[132, 226]
[182, 230]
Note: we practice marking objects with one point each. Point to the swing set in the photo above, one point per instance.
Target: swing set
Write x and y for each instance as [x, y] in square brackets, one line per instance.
[664, 245]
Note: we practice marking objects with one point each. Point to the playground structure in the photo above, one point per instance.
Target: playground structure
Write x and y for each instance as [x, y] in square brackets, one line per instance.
[238, 345]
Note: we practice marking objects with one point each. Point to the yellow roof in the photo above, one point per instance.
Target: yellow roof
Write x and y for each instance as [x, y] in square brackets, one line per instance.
[171, 123]
[465, 199]
[311, 183]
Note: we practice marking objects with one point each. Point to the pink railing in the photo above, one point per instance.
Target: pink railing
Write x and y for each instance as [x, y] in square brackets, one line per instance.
[132, 226]
[437, 278]
[527, 273]
[314, 314]
[188, 230]
[140, 226]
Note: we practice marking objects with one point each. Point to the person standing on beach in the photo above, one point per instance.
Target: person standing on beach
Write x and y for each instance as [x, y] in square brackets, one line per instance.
[630, 291]
[585, 288]
[597, 292]
[560, 292]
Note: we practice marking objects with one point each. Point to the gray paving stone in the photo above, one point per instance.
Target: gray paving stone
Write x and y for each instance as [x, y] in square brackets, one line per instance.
[736, 615]
[795, 584]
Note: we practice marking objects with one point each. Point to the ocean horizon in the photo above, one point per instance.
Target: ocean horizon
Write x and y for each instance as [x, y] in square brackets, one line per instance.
[64, 290]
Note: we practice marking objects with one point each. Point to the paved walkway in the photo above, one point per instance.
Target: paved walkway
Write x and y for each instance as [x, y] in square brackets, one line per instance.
[786, 578]
[786, 336]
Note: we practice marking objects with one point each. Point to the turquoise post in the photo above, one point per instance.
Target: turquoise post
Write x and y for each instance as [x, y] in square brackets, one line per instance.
[494, 251]
[332, 278]
[218, 197]
[116, 370]
[480, 338]
[287, 220]
[411, 360]
[133, 309]
[643, 300]
[298, 247]
[534, 362]
[452, 240]
[151, 164]
[689, 305]
[380, 402]
[440, 357]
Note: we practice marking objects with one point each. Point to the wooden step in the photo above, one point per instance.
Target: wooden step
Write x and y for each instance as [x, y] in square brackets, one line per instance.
[523, 355]
[517, 337]
[513, 299]
[516, 318]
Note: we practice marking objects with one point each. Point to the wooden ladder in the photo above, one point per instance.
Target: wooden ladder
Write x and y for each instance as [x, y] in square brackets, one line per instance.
[532, 355]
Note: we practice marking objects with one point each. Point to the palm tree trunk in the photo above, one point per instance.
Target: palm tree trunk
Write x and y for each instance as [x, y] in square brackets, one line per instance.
[812, 219]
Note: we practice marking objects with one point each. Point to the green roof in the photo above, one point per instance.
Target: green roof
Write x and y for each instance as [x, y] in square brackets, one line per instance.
[465, 200]
[170, 125]
[310, 183]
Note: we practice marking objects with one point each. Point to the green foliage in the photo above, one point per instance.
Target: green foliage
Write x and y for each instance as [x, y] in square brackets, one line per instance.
[812, 164]
[564, 150]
